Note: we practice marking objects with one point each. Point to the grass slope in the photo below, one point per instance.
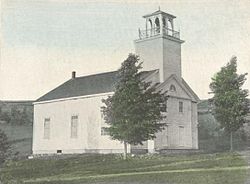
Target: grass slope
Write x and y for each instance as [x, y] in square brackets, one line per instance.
[20, 137]
[203, 169]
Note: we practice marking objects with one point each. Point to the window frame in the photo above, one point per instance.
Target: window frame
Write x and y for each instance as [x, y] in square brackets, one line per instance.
[72, 135]
[181, 137]
[172, 88]
[167, 136]
[181, 107]
[46, 128]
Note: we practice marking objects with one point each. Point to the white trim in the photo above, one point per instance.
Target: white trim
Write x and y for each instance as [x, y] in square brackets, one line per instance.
[77, 127]
[184, 88]
[74, 98]
[180, 98]
[159, 36]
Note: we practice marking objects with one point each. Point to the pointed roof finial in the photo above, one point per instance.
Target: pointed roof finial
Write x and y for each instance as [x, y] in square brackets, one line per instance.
[159, 8]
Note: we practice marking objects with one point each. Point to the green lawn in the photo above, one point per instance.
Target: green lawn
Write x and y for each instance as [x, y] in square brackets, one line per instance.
[20, 137]
[180, 169]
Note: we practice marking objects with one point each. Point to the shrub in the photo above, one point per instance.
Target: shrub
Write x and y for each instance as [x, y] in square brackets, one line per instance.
[4, 147]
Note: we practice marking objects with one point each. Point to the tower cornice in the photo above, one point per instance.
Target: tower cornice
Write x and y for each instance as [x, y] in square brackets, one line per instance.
[159, 36]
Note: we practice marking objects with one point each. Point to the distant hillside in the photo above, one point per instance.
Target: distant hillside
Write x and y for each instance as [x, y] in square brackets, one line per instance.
[206, 106]
[20, 136]
[210, 135]
[7, 106]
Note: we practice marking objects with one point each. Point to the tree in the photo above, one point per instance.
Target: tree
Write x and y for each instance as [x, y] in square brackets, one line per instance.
[5, 116]
[24, 119]
[134, 112]
[4, 147]
[15, 116]
[230, 102]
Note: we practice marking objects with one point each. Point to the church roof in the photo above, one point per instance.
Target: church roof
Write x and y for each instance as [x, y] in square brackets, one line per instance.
[86, 85]
[182, 83]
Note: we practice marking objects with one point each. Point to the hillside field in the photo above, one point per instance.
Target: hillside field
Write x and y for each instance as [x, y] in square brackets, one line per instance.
[227, 168]
[20, 137]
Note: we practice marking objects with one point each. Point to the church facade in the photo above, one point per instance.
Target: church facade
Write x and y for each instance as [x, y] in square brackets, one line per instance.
[68, 119]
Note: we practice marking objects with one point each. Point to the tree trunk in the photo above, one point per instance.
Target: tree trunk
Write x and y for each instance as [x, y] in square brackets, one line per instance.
[125, 150]
[231, 141]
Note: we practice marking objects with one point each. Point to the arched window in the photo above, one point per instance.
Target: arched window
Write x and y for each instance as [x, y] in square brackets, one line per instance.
[169, 24]
[164, 22]
[149, 25]
[172, 88]
[164, 25]
[170, 28]
[157, 25]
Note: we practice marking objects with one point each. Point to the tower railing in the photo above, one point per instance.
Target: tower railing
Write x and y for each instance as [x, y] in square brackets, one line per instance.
[156, 31]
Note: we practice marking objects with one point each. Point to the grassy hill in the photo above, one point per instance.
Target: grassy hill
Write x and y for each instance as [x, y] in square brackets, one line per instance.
[220, 168]
[20, 136]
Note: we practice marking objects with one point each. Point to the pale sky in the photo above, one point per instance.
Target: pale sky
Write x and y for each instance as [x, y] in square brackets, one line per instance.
[43, 41]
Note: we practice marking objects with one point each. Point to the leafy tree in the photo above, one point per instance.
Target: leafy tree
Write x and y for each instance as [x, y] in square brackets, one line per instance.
[230, 102]
[134, 112]
[24, 119]
[15, 116]
[5, 116]
[4, 147]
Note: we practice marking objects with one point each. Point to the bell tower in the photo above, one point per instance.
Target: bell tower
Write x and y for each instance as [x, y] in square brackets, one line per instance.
[159, 45]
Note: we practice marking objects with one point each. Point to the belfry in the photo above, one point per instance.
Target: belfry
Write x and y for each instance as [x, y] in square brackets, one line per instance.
[159, 45]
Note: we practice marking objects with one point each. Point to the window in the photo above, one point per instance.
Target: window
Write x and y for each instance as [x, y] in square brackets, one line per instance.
[74, 125]
[46, 134]
[180, 106]
[149, 24]
[157, 25]
[59, 151]
[164, 22]
[167, 136]
[102, 115]
[104, 131]
[172, 88]
[181, 136]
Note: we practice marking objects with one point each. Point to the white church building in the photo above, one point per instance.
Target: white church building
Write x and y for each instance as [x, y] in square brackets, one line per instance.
[68, 119]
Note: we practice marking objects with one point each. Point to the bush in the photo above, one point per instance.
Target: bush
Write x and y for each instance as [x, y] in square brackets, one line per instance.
[221, 142]
[212, 138]
[4, 147]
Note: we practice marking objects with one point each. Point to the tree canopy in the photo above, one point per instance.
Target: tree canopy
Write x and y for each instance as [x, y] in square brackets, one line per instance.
[16, 116]
[230, 102]
[134, 112]
[4, 147]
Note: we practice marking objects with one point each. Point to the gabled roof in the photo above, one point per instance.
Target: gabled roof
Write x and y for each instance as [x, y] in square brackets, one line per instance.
[86, 85]
[190, 90]
[183, 85]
